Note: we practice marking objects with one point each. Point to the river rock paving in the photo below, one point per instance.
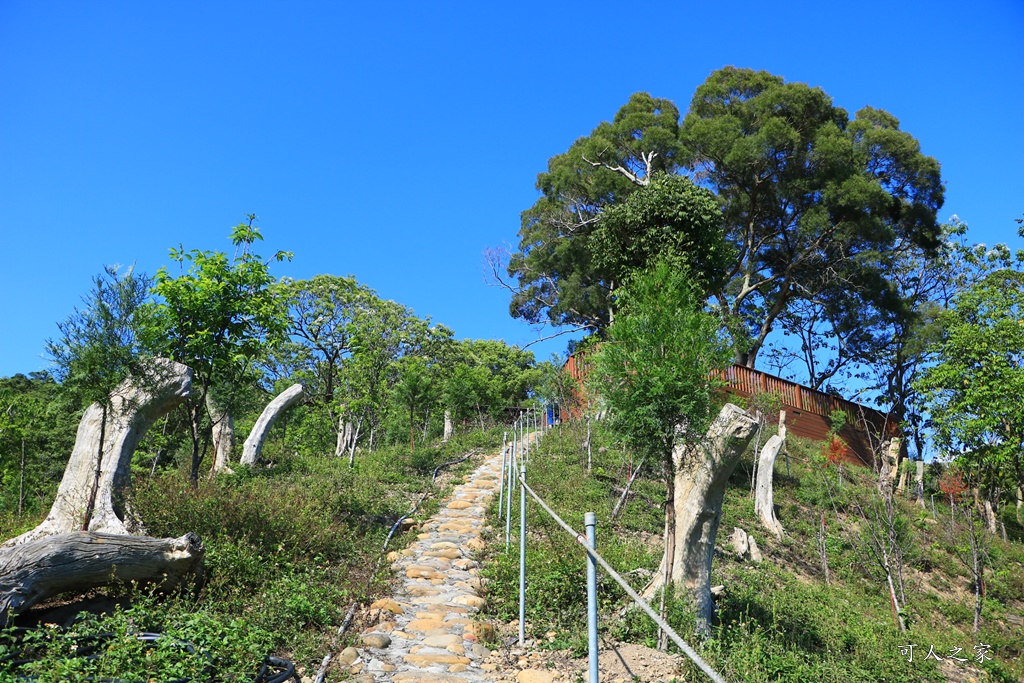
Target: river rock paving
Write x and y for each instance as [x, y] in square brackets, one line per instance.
[426, 632]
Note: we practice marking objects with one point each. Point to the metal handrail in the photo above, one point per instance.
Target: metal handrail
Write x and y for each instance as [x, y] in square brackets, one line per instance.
[582, 540]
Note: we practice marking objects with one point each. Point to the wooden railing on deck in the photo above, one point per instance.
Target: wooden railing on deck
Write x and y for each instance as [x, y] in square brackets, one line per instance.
[746, 381]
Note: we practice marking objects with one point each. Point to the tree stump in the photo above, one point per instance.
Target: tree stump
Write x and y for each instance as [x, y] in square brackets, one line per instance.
[702, 471]
[90, 494]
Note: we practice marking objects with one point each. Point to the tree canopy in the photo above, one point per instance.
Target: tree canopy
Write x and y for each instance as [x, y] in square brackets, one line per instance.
[974, 390]
[217, 317]
[812, 206]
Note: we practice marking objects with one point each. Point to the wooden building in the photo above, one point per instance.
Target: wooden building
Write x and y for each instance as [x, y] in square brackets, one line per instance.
[808, 412]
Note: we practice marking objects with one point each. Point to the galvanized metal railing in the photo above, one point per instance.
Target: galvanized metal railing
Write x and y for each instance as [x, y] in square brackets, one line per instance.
[520, 446]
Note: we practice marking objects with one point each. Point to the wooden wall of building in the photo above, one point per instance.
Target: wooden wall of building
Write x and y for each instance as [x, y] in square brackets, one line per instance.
[808, 412]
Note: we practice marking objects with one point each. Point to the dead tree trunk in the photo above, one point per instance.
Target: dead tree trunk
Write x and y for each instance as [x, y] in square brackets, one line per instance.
[889, 467]
[701, 471]
[223, 436]
[257, 437]
[449, 427]
[764, 499]
[919, 483]
[352, 446]
[84, 541]
[36, 570]
[90, 494]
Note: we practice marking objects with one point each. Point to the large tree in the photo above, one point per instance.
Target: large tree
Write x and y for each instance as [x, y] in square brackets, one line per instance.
[217, 316]
[813, 202]
[556, 278]
[813, 205]
[324, 314]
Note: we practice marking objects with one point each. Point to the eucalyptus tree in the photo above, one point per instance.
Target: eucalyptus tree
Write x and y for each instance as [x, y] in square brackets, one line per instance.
[812, 205]
[812, 201]
[218, 316]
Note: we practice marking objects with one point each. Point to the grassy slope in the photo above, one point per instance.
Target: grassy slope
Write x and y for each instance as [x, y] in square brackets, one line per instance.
[289, 548]
[779, 620]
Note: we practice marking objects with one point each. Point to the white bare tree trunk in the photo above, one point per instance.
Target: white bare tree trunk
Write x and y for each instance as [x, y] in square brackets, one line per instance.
[449, 427]
[701, 473]
[352, 446]
[223, 436]
[764, 498]
[90, 496]
[346, 432]
[84, 541]
[37, 570]
[257, 437]
[919, 483]
[990, 516]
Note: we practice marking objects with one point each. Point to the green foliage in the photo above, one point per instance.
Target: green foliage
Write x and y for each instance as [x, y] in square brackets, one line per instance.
[38, 421]
[653, 372]
[99, 345]
[190, 646]
[974, 390]
[220, 314]
[811, 200]
[778, 620]
[559, 279]
[814, 208]
[217, 317]
[670, 220]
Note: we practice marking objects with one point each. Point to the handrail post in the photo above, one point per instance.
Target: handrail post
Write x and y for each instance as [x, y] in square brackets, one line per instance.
[508, 496]
[501, 480]
[522, 558]
[590, 522]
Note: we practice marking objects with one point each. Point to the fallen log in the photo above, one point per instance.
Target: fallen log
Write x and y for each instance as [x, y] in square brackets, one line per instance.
[34, 571]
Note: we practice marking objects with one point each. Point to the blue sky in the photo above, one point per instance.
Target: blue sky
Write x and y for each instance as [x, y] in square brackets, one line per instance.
[396, 143]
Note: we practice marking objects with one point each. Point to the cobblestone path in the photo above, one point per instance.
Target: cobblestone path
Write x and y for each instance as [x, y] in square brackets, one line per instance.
[427, 633]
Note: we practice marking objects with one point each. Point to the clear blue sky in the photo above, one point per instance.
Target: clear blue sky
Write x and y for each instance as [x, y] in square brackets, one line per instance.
[397, 143]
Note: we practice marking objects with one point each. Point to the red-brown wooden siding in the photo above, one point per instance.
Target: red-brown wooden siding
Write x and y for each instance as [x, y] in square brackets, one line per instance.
[808, 412]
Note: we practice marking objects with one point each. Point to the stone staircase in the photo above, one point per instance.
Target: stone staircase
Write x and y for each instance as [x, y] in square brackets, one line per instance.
[426, 632]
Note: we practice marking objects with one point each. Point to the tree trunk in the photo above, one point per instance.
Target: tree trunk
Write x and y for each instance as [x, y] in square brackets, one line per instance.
[919, 484]
[701, 471]
[132, 409]
[352, 447]
[345, 431]
[21, 481]
[764, 501]
[448, 426]
[37, 570]
[625, 491]
[257, 437]
[889, 467]
[990, 517]
[902, 485]
[223, 426]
